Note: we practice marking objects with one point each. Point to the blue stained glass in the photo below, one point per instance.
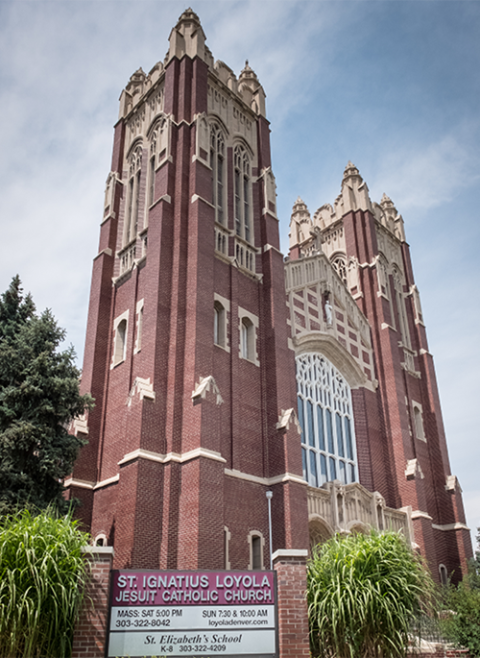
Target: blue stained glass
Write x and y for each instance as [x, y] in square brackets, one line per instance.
[300, 418]
[311, 432]
[341, 447]
[321, 436]
[304, 463]
[352, 473]
[333, 469]
[313, 469]
[331, 446]
[348, 434]
[323, 469]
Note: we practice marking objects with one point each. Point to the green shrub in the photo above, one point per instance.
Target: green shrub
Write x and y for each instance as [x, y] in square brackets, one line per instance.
[363, 592]
[462, 626]
[42, 577]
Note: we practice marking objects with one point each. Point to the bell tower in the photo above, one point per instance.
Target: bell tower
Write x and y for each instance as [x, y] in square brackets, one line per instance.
[187, 350]
[402, 449]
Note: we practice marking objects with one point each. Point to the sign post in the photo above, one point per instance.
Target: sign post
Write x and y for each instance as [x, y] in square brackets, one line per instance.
[193, 613]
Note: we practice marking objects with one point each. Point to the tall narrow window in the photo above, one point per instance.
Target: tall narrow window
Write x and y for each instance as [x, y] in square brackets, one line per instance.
[418, 420]
[151, 181]
[442, 570]
[402, 315]
[226, 546]
[242, 193]
[120, 342]
[256, 552]
[247, 339]
[219, 322]
[133, 195]
[217, 163]
[139, 332]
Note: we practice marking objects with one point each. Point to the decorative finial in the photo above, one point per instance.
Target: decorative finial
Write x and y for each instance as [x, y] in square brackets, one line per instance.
[350, 170]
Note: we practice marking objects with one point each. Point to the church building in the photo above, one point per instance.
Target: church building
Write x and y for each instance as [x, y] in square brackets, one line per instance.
[230, 380]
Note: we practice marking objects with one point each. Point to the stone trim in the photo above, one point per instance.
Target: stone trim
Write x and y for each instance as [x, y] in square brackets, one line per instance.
[105, 483]
[98, 550]
[81, 484]
[418, 514]
[285, 553]
[277, 479]
[451, 526]
[171, 456]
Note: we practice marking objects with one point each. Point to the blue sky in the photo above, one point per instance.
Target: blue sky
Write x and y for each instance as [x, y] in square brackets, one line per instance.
[391, 85]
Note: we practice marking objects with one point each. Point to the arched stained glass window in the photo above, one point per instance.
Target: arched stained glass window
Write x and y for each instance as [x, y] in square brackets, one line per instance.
[217, 163]
[242, 192]
[326, 419]
[340, 267]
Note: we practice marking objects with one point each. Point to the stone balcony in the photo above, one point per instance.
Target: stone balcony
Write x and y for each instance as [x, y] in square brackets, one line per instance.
[338, 508]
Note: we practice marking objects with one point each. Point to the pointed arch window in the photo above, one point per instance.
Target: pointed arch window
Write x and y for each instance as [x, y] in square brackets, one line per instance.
[133, 194]
[256, 544]
[247, 339]
[242, 202]
[340, 267]
[157, 153]
[219, 324]
[120, 326]
[217, 163]
[326, 420]
[402, 314]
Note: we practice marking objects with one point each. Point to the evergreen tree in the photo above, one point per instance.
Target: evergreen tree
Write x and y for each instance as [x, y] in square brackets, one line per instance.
[39, 396]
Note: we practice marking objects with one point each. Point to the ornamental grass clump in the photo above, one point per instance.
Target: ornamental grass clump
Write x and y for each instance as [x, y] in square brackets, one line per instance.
[363, 593]
[42, 578]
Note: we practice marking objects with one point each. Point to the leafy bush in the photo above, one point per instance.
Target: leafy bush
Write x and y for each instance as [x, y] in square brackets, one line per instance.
[42, 577]
[463, 626]
[363, 592]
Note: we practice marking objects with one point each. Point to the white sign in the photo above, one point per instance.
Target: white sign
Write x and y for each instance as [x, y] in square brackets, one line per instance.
[200, 614]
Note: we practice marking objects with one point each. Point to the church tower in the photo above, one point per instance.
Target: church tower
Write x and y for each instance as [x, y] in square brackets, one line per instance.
[187, 352]
[356, 251]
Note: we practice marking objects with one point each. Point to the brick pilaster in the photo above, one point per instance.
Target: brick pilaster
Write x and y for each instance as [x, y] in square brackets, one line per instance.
[291, 569]
[91, 628]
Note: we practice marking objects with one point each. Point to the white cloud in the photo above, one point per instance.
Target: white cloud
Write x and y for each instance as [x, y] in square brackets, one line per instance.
[424, 174]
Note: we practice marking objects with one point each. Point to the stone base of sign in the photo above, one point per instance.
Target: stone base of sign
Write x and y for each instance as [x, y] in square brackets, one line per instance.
[291, 569]
[91, 629]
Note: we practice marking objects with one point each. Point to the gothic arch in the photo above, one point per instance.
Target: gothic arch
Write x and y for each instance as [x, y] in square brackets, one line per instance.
[239, 140]
[338, 261]
[319, 531]
[138, 141]
[216, 119]
[316, 341]
[157, 119]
